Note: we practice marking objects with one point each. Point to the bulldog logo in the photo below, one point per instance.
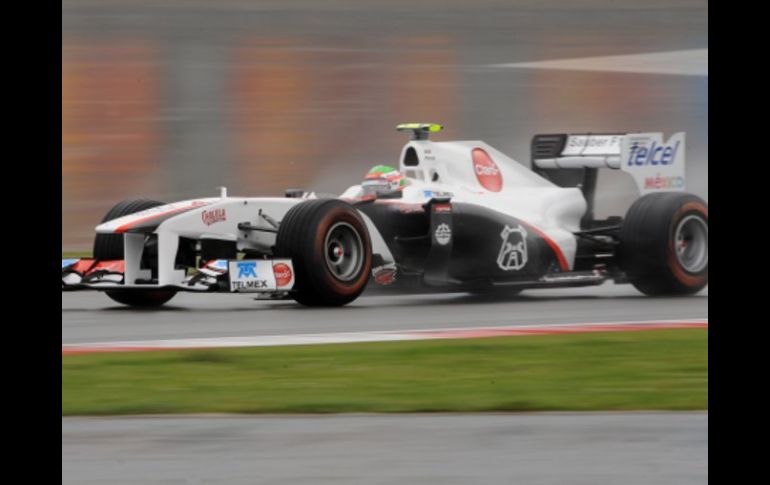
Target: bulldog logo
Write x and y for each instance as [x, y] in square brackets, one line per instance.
[443, 234]
[513, 252]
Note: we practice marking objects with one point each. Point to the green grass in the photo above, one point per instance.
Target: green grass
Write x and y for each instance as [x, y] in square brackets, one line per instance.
[76, 254]
[649, 370]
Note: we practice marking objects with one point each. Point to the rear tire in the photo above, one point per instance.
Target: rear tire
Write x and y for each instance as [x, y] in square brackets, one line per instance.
[664, 244]
[108, 247]
[330, 249]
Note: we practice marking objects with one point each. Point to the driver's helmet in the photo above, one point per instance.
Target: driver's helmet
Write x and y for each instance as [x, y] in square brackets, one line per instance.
[383, 181]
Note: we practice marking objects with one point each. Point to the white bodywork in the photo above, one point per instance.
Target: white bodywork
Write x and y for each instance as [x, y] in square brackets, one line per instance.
[523, 194]
[465, 171]
[212, 218]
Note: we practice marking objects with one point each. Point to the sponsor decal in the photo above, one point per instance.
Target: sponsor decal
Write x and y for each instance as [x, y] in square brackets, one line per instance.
[513, 252]
[443, 234]
[429, 194]
[250, 285]
[592, 145]
[247, 269]
[252, 275]
[213, 216]
[384, 275]
[654, 163]
[282, 273]
[643, 154]
[442, 208]
[487, 172]
[659, 182]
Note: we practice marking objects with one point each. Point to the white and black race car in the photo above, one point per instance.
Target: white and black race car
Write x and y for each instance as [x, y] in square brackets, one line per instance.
[454, 216]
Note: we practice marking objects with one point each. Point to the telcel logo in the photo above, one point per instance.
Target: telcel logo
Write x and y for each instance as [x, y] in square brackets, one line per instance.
[640, 154]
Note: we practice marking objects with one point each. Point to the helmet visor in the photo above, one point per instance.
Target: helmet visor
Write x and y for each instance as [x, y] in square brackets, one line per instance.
[375, 186]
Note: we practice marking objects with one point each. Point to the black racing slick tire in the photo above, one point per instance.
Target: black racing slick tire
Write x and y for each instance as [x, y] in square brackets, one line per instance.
[109, 247]
[664, 244]
[330, 249]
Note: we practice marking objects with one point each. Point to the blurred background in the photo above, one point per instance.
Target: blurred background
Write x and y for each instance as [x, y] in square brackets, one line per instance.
[171, 99]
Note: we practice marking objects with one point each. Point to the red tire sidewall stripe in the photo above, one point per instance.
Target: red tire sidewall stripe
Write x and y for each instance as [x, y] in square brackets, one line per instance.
[677, 270]
[323, 227]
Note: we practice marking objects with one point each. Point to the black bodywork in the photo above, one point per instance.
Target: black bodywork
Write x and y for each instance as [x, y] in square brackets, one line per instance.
[481, 247]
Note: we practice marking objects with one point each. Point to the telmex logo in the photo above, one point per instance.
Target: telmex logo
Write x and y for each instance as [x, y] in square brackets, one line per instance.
[486, 171]
[247, 270]
[640, 154]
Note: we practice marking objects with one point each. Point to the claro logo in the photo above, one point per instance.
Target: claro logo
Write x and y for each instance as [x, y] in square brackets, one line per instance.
[282, 274]
[486, 171]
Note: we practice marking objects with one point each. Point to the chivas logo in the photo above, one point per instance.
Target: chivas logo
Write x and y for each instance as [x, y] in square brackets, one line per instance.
[213, 216]
[513, 252]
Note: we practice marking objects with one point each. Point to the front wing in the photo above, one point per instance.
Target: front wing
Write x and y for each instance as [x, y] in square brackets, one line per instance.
[236, 276]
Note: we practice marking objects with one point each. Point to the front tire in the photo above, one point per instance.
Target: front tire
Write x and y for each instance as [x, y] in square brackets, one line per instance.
[330, 249]
[108, 247]
[664, 244]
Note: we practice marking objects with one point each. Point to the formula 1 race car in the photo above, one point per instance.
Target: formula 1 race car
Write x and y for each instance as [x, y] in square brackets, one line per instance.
[453, 216]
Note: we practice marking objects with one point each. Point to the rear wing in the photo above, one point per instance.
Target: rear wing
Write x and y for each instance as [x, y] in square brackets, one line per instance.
[572, 160]
[655, 165]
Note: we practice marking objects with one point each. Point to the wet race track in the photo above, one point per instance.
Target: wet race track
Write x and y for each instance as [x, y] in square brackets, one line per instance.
[544, 448]
[92, 317]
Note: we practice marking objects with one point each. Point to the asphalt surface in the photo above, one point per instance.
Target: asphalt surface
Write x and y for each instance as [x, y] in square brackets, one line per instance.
[535, 449]
[92, 317]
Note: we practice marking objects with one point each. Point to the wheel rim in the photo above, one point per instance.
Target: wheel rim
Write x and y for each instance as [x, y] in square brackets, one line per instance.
[343, 251]
[691, 243]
